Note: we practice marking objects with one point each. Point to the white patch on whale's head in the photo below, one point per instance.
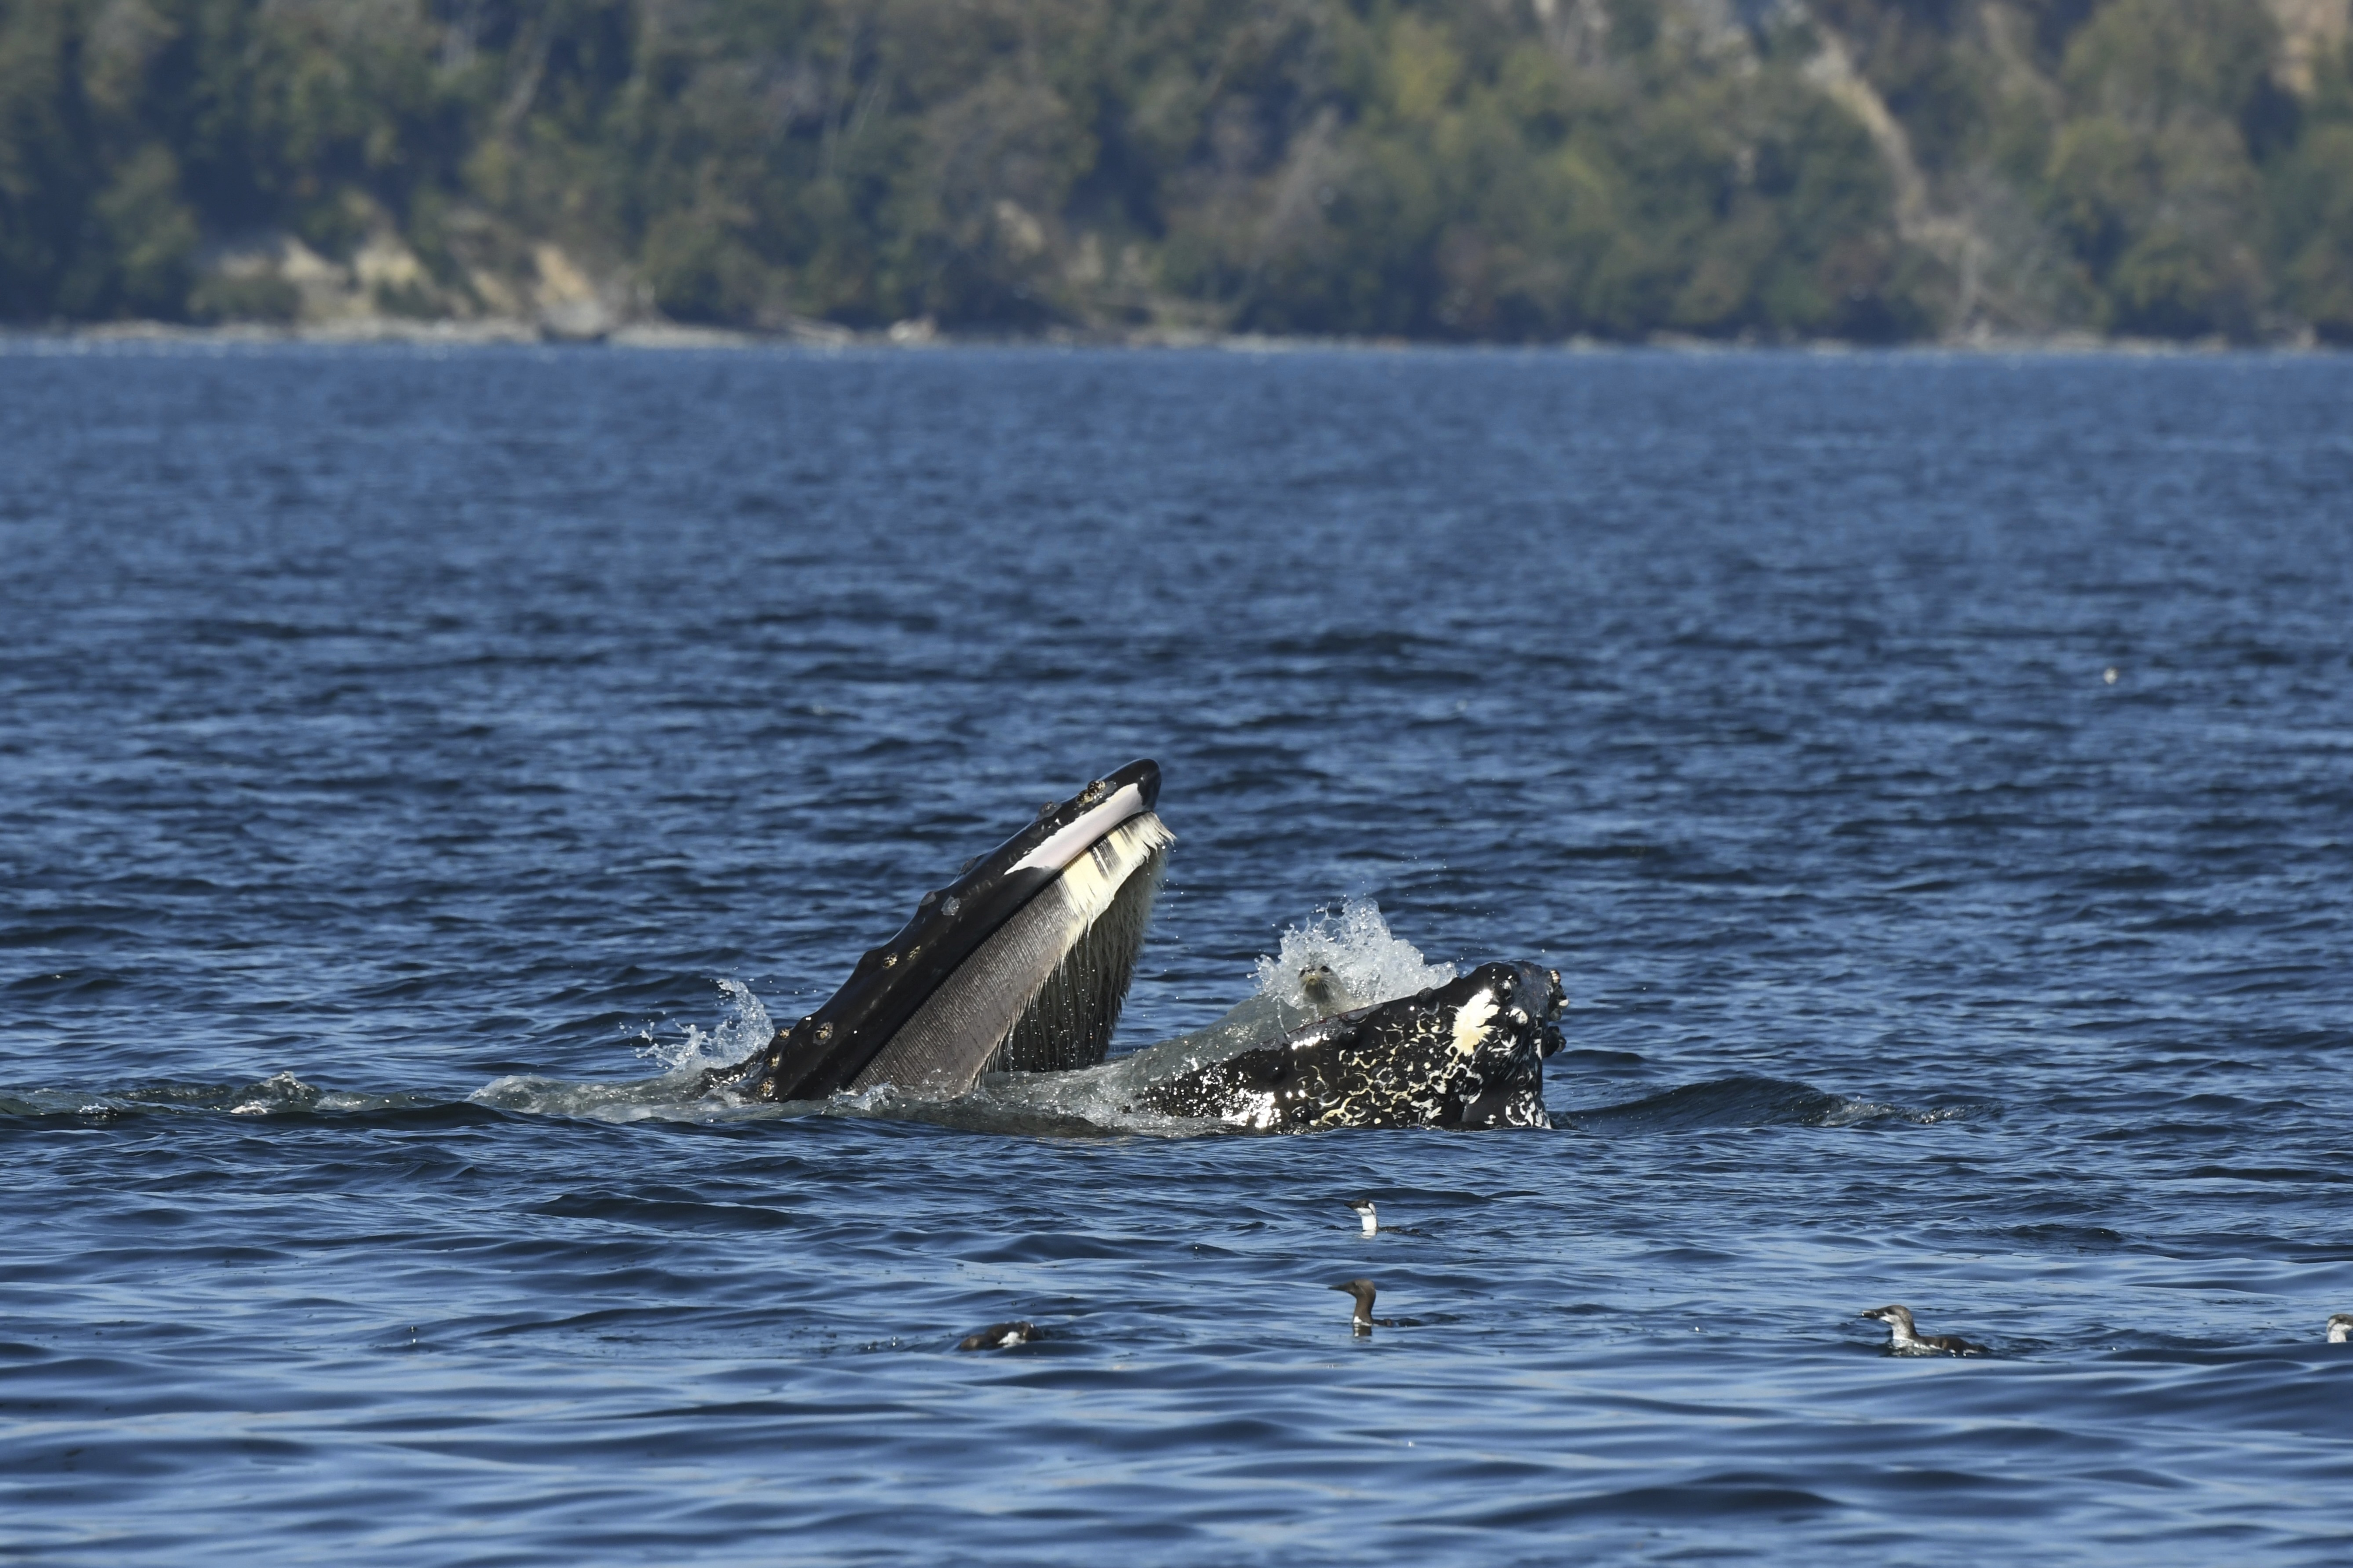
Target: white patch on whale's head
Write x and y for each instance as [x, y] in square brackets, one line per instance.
[1470, 1021]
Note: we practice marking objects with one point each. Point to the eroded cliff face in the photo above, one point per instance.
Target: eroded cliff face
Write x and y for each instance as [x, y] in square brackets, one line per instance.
[2311, 33]
[491, 281]
[2164, 168]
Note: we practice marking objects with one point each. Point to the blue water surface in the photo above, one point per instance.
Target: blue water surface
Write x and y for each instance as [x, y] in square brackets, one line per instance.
[1933, 777]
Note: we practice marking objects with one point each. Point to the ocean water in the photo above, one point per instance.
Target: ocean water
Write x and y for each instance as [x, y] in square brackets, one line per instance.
[1933, 777]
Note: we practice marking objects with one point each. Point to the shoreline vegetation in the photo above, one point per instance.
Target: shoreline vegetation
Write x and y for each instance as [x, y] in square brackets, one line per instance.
[2011, 175]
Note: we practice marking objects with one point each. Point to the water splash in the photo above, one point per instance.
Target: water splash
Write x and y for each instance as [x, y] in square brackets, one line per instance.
[744, 1028]
[1368, 963]
[675, 1093]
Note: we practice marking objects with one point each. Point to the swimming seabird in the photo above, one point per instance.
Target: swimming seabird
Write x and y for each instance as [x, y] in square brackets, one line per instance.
[1902, 1338]
[2340, 1328]
[1362, 1289]
[1002, 1336]
[1365, 1211]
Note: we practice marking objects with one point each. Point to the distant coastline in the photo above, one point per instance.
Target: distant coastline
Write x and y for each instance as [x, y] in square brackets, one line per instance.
[2018, 174]
[657, 335]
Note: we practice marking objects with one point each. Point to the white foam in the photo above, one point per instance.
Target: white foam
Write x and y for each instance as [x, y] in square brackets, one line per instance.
[640, 1100]
[1369, 964]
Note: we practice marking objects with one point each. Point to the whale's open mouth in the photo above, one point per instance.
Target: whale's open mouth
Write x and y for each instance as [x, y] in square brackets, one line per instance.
[1020, 964]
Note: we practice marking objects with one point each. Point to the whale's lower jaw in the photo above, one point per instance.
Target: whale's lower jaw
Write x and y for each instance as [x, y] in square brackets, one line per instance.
[1020, 963]
[1043, 994]
[1469, 1053]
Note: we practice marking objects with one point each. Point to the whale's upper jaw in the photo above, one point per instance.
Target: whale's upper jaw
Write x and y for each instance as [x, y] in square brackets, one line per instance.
[1468, 1054]
[834, 1046]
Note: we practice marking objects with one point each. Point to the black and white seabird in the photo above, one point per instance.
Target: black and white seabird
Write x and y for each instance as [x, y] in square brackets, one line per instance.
[2340, 1328]
[1902, 1338]
[1366, 1212]
[1363, 1320]
[1002, 1336]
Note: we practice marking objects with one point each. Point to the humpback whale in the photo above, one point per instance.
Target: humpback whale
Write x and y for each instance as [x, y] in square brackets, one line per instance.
[1021, 964]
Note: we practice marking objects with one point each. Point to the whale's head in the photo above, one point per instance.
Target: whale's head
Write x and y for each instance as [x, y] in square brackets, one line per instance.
[1020, 963]
[1467, 1054]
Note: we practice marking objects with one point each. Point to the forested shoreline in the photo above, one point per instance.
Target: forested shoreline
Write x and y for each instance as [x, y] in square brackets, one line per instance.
[1466, 170]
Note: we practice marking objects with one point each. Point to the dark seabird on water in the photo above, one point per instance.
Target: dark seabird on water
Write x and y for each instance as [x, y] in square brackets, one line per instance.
[2340, 1328]
[1902, 1338]
[1002, 1336]
[1366, 1212]
[1363, 1320]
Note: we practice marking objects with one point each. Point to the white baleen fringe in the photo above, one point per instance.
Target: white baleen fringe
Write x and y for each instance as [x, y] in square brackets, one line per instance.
[955, 1034]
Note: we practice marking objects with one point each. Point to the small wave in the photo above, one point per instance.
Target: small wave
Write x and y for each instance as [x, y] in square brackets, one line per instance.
[279, 1094]
[673, 1096]
[1750, 1101]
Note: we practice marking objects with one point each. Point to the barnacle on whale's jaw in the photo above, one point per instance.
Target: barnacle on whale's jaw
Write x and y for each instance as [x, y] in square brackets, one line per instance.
[1021, 963]
[1469, 1053]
